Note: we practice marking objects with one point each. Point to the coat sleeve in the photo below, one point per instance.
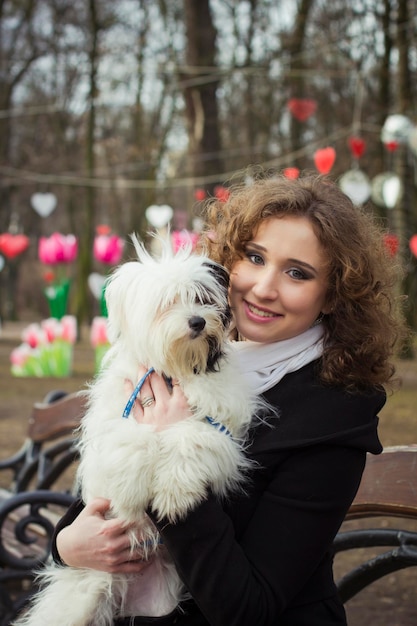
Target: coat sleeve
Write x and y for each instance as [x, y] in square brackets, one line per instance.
[252, 581]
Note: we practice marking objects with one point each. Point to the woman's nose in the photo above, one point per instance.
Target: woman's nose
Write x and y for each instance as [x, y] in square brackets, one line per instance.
[266, 286]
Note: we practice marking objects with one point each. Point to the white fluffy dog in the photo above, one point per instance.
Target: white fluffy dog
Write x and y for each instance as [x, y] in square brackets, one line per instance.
[170, 314]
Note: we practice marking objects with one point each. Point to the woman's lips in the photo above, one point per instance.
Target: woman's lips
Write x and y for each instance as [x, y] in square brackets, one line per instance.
[259, 314]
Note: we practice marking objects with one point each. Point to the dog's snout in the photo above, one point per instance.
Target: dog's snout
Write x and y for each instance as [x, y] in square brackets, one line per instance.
[196, 323]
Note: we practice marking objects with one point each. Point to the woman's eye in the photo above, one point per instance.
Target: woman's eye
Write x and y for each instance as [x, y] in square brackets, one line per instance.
[255, 258]
[297, 274]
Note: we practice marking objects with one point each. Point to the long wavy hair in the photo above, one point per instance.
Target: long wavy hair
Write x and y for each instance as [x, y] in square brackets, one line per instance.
[364, 322]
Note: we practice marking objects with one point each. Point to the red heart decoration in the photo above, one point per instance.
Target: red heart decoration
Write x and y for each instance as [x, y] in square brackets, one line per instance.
[302, 108]
[199, 194]
[357, 146]
[291, 172]
[413, 244]
[13, 245]
[221, 193]
[103, 229]
[391, 146]
[324, 159]
[391, 242]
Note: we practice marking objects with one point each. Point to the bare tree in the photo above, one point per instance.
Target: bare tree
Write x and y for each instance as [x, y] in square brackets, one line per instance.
[199, 82]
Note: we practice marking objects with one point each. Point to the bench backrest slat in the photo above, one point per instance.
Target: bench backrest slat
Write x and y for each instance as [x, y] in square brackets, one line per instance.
[389, 485]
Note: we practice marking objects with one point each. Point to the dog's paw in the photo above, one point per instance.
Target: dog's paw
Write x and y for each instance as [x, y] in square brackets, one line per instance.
[193, 459]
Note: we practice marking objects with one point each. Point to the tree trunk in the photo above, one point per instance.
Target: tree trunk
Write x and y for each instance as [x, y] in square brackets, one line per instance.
[405, 210]
[297, 63]
[86, 237]
[199, 85]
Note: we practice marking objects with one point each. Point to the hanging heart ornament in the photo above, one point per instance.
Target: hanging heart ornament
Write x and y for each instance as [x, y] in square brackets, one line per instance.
[324, 159]
[396, 128]
[357, 146]
[13, 245]
[159, 215]
[413, 244]
[302, 108]
[96, 283]
[356, 185]
[43, 203]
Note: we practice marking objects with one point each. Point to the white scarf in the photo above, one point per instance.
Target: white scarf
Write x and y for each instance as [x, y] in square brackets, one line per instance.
[264, 364]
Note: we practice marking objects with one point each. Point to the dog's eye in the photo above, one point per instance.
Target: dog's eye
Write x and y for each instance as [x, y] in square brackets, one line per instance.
[203, 298]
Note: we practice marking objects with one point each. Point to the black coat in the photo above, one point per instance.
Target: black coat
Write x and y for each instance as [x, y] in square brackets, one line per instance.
[264, 558]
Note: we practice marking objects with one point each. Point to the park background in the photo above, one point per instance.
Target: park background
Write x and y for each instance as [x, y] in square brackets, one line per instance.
[110, 109]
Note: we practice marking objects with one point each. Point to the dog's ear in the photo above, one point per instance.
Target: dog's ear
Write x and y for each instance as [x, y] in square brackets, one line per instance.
[220, 273]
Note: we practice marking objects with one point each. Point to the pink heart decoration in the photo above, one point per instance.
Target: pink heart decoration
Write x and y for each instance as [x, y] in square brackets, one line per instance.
[324, 159]
[302, 108]
[13, 245]
[357, 146]
[413, 244]
[183, 239]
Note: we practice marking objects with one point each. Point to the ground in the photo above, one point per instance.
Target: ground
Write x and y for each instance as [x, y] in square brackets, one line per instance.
[389, 602]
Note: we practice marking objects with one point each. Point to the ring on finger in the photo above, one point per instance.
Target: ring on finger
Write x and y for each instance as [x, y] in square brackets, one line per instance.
[147, 401]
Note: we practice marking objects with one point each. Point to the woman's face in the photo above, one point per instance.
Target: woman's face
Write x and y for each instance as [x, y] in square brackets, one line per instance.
[279, 288]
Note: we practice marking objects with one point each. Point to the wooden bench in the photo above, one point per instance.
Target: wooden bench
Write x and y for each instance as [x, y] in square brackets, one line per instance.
[49, 446]
[29, 508]
[389, 489]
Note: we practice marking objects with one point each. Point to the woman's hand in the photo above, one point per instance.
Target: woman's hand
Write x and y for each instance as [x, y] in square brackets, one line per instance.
[94, 542]
[157, 404]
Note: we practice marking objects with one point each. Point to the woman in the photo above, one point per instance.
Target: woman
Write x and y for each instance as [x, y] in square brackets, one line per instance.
[311, 289]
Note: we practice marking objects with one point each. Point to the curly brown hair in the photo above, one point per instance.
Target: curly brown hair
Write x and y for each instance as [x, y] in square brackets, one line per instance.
[364, 322]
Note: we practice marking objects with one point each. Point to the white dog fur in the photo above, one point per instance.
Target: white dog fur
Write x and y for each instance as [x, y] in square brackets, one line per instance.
[171, 314]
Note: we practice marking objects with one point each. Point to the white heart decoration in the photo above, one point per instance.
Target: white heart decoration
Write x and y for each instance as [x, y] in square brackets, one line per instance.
[356, 185]
[43, 203]
[159, 215]
[396, 128]
[391, 191]
[96, 283]
[2, 262]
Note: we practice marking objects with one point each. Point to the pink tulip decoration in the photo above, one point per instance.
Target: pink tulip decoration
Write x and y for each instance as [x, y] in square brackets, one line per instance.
[24, 361]
[324, 159]
[47, 348]
[59, 251]
[108, 249]
[34, 336]
[183, 238]
[99, 340]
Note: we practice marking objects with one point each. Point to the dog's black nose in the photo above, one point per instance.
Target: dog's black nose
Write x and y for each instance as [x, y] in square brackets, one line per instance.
[196, 323]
